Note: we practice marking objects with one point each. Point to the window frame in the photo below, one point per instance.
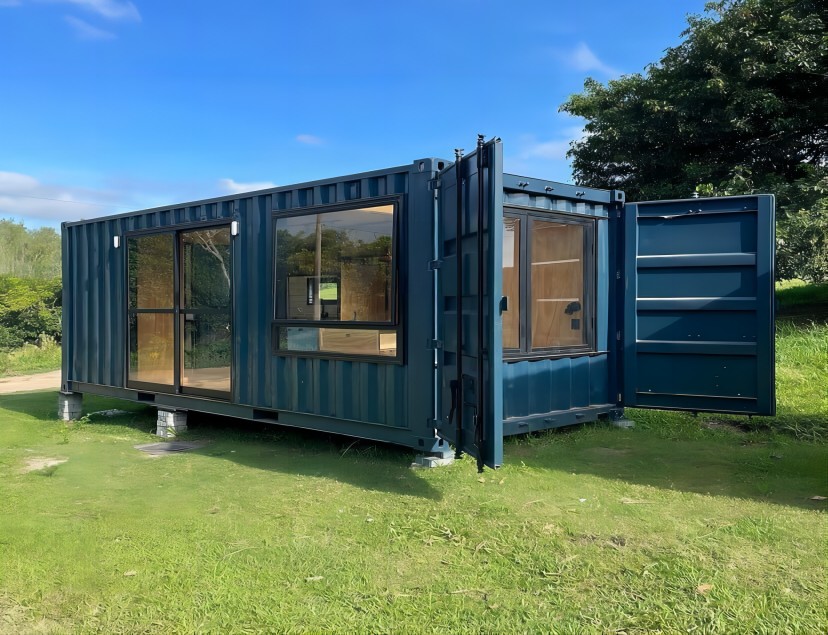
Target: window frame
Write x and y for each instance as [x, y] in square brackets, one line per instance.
[590, 284]
[395, 322]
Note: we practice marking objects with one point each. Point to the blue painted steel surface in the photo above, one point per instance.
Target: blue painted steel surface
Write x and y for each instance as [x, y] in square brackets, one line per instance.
[485, 442]
[539, 386]
[358, 398]
[537, 392]
[699, 317]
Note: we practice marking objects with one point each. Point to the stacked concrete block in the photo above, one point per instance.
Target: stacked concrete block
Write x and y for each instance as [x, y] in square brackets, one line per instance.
[171, 423]
[70, 405]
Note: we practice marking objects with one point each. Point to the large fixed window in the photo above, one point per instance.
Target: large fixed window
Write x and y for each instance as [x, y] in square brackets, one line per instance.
[335, 282]
[549, 282]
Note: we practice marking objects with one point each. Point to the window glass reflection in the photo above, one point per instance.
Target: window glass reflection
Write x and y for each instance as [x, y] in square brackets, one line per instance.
[206, 263]
[338, 340]
[150, 267]
[207, 352]
[151, 348]
[335, 265]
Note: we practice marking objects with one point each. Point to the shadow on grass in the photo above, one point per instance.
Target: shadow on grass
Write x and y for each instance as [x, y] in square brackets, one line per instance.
[365, 464]
[671, 451]
[724, 461]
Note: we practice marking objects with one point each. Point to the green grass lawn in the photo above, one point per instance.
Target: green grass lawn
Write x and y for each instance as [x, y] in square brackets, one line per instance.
[681, 524]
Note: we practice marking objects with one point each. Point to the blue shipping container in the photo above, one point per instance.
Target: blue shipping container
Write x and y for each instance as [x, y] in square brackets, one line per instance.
[441, 302]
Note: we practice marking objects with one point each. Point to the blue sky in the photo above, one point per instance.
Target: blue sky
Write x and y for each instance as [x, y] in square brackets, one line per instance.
[118, 105]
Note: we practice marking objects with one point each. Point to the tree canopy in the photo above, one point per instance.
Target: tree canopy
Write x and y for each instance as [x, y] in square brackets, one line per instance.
[740, 105]
[28, 252]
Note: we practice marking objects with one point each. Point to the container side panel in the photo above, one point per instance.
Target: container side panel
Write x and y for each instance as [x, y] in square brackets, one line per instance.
[540, 386]
[537, 387]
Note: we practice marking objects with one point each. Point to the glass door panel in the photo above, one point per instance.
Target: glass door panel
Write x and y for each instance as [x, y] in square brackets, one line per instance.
[151, 348]
[151, 310]
[205, 326]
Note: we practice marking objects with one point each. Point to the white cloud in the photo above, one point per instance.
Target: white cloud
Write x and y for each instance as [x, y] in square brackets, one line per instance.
[545, 157]
[22, 195]
[309, 139]
[109, 9]
[9, 3]
[229, 186]
[86, 31]
[552, 149]
[583, 59]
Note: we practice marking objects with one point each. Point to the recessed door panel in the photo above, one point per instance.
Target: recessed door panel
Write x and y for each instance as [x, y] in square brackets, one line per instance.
[699, 305]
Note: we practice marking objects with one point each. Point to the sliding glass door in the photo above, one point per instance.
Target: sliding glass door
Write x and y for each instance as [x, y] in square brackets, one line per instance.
[179, 311]
[205, 311]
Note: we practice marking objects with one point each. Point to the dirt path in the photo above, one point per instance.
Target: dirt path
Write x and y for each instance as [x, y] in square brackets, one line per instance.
[25, 383]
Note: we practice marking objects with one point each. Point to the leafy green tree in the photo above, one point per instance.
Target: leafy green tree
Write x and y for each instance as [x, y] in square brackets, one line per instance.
[29, 309]
[29, 252]
[741, 105]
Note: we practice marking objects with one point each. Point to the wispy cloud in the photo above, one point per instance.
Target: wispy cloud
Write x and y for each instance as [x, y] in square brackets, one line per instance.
[9, 3]
[109, 9]
[581, 58]
[545, 157]
[22, 195]
[86, 31]
[309, 139]
[229, 186]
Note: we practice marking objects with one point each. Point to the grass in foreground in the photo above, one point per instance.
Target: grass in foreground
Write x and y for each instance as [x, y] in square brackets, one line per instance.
[675, 525]
[681, 524]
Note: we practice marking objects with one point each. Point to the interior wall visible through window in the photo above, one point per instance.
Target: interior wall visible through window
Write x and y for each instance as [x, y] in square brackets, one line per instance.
[336, 269]
[548, 282]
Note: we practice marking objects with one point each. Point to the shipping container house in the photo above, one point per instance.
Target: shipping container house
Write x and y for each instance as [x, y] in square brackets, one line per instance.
[441, 302]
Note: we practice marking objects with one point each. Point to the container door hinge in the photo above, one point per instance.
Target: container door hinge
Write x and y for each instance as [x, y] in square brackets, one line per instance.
[434, 344]
[433, 265]
[434, 184]
[433, 424]
[618, 274]
[619, 398]
[618, 335]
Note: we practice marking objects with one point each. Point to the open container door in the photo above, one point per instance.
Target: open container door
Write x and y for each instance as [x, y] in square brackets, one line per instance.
[699, 305]
[469, 345]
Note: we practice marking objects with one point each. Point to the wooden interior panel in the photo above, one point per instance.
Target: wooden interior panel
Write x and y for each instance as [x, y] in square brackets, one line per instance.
[511, 282]
[557, 284]
[358, 341]
[152, 354]
[365, 292]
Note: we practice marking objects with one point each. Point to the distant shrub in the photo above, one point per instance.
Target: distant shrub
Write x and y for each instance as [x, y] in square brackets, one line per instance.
[30, 309]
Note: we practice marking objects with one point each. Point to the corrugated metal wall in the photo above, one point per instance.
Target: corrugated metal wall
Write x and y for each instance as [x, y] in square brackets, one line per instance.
[95, 314]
